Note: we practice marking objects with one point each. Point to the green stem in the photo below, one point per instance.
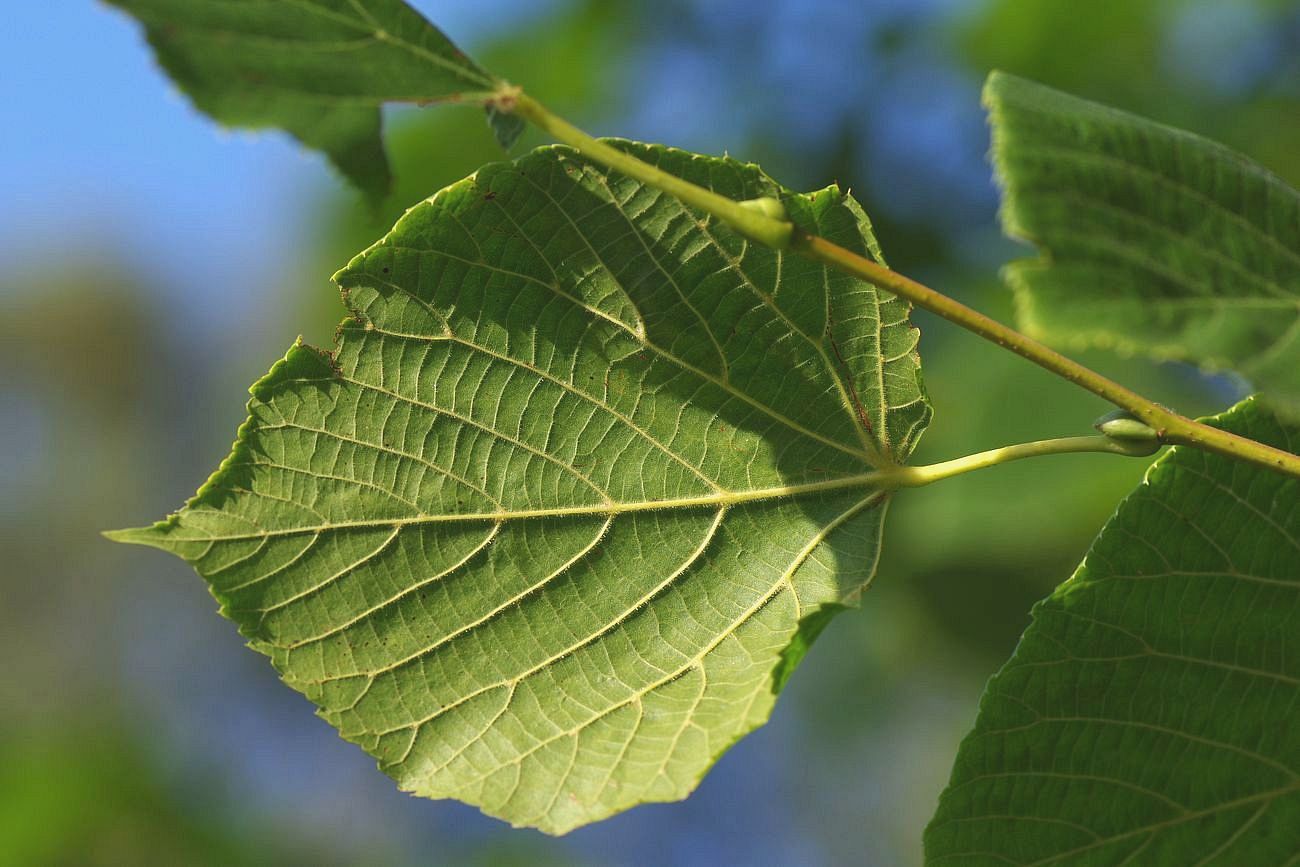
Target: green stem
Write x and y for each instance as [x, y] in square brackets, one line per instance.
[913, 477]
[761, 226]
[748, 221]
[1170, 427]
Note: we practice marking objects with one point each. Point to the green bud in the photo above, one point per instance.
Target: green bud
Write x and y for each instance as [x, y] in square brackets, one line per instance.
[767, 206]
[1123, 425]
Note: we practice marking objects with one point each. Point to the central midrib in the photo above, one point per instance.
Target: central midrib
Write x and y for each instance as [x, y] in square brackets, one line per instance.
[876, 480]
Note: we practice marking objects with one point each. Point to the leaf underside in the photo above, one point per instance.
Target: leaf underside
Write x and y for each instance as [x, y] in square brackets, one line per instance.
[318, 69]
[1148, 715]
[1154, 240]
[583, 478]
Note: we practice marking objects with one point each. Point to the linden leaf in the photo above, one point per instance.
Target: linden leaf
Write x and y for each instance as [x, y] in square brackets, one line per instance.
[318, 69]
[583, 479]
[1149, 714]
[1154, 240]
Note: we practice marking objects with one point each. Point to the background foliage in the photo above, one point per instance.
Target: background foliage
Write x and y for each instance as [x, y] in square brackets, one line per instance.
[149, 242]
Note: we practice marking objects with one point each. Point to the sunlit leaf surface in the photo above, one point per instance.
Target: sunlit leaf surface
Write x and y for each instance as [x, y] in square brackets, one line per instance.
[582, 480]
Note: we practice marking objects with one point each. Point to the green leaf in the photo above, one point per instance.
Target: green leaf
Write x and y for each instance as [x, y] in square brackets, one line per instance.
[1154, 240]
[576, 490]
[318, 69]
[1149, 714]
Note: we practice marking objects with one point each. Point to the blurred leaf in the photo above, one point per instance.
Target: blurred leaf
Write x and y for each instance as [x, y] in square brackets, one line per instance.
[1154, 240]
[1131, 54]
[1147, 716]
[318, 69]
[583, 480]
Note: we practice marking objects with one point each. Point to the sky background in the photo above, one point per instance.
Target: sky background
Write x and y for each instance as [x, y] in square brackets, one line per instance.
[155, 265]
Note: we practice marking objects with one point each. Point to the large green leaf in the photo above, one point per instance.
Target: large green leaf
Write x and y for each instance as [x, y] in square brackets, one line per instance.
[318, 69]
[1154, 240]
[1149, 715]
[583, 478]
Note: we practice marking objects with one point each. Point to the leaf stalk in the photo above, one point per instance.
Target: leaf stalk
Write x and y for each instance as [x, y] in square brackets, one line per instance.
[914, 477]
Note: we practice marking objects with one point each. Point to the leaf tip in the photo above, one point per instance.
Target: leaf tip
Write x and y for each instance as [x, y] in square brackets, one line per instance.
[154, 535]
[127, 536]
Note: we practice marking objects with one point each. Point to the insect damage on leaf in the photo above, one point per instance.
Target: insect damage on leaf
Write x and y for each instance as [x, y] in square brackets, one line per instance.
[583, 481]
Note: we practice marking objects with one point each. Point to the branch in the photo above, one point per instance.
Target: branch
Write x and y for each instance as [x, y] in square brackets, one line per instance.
[765, 224]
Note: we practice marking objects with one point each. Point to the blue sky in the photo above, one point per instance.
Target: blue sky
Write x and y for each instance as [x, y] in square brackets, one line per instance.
[105, 158]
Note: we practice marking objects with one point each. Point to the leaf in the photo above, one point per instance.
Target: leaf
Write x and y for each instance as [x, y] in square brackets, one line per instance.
[318, 69]
[1154, 240]
[1149, 714]
[577, 488]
